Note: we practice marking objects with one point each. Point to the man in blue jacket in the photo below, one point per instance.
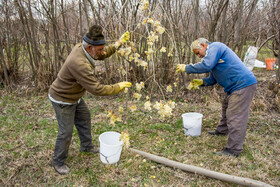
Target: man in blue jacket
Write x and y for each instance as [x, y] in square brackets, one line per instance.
[240, 84]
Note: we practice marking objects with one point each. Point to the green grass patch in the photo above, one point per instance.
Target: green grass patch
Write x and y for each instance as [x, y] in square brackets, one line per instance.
[28, 131]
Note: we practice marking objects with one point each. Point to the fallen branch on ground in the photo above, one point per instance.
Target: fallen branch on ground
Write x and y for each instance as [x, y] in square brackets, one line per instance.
[201, 171]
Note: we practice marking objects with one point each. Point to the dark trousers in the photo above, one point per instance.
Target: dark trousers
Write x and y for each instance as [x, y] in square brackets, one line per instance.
[67, 116]
[235, 114]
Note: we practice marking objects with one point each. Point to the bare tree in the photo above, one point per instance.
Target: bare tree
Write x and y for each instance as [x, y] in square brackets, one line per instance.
[50, 28]
[26, 30]
[3, 64]
[274, 21]
[215, 10]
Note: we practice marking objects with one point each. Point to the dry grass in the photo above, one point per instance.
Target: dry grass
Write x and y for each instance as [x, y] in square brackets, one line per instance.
[28, 131]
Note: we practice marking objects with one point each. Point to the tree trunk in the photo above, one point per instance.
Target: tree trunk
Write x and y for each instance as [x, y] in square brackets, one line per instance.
[237, 33]
[196, 26]
[7, 80]
[81, 20]
[66, 33]
[212, 31]
[33, 41]
[55, 47]
[86, 13]
[27, 37]
[244, 26]
[223, 34]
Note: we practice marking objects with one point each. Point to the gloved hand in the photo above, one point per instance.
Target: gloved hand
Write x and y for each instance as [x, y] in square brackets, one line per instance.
[125, 37]
[124, 85]
[195, 84]
[198, 82]
[180, 68]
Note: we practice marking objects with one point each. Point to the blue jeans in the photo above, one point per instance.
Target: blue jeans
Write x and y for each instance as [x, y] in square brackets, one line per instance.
[67, 116]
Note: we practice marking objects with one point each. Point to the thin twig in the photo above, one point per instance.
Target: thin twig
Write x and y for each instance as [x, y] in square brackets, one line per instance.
[32, 156]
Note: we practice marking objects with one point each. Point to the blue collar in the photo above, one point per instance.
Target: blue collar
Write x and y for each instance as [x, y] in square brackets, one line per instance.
[89, 57]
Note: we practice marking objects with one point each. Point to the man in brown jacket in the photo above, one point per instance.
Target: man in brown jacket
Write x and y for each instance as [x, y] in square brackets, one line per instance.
[73, 80]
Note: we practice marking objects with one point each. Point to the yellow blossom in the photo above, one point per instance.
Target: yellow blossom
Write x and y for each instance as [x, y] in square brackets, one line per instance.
[139, 86]
[120, 109]
[158, 105]
[137, 96]
[144, 22]
[136, 55]
[163, 49]
[169, 88]
[125, 138]
[150, 51]
[110, 113]
[125, 90]
[119, 118]
[133, 108]
[151, 21]
[147, 98]
[160, 30]
[149, 57]
[124, 51]
[156, 23]
[165, 111]
[121, 51]
[170, 54]
[137, 60]
[147, 106]
[127, 51]
[172, 104]
[152, 37]
[131, 57]
[113, 119]
[144, 6]
[143, 63]
[192, 86]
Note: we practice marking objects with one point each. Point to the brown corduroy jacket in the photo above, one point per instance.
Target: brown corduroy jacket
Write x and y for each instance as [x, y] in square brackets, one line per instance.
[77, 75]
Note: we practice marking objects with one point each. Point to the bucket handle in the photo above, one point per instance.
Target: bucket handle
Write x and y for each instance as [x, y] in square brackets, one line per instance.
[106, 157]
[187, 129]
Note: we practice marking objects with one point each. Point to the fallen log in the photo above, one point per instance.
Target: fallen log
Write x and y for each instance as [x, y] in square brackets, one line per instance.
[201, 171]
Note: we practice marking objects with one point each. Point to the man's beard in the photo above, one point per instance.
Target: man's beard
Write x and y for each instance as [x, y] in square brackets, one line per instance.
[97, 57]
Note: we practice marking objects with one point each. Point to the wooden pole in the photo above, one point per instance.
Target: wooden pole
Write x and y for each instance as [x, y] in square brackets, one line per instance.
[201, 171]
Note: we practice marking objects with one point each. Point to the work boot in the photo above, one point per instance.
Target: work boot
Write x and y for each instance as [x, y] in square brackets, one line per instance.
[216, 133]
[62, 170]
[226, 152]
[92, 150]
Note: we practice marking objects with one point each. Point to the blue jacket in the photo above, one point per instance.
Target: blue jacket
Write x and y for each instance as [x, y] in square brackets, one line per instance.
[225, 68]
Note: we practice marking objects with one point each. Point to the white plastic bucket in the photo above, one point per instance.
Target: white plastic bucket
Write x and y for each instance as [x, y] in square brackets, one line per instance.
[110, 147]
[192, 123]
